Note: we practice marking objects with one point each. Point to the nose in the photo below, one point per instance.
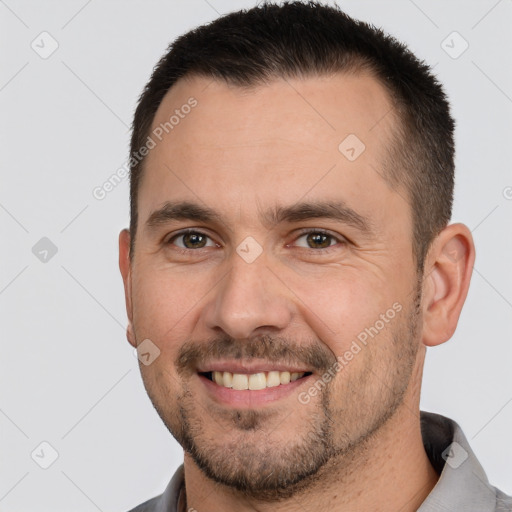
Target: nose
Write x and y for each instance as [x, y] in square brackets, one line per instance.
[248, 300]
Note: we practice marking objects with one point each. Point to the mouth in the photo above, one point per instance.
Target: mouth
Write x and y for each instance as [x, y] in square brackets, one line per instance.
[249, 384]
[253, 381]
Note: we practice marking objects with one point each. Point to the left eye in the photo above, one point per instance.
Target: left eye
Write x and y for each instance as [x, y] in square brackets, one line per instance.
[317, 240]
[192, 240]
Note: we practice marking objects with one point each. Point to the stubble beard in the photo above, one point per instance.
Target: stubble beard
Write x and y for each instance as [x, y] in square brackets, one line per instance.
[261, 467]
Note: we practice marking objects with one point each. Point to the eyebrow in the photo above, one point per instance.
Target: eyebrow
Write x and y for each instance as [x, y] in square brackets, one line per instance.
[183, 210]
[337, 210]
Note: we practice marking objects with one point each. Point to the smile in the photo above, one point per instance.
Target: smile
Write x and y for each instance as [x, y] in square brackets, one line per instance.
[253, 381]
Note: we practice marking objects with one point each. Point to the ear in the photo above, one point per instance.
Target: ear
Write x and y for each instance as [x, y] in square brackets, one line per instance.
[126, 269]
[448, 270]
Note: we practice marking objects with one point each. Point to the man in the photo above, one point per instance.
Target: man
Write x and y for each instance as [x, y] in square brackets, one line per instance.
[288, 261]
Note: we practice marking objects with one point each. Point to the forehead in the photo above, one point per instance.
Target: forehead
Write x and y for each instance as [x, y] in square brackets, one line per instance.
[291, 139]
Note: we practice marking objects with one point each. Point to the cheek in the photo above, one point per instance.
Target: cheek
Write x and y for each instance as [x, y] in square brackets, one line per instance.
[164, 302]
[164, 389]
[345, 309]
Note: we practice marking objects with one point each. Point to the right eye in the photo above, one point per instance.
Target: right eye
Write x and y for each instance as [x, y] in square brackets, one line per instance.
[191, 239]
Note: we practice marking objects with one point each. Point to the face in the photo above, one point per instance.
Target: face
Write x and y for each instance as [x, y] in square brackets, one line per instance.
[273, 270]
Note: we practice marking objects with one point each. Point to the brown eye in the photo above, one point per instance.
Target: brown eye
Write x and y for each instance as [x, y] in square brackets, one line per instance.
[318, 240]
[194, 240]
[191, 240]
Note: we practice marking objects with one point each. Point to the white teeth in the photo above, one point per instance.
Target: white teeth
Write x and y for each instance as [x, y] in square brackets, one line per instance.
[240, 381]
[255, 381]
[273, 379]
[228, 379]
[218, 378]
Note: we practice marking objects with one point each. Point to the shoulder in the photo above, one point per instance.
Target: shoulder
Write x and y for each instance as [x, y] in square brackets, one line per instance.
[166, 502]
[503, 502]
[462, 483]
[147, 506]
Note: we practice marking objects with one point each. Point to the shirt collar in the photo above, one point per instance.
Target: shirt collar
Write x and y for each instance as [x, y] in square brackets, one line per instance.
[462, 483]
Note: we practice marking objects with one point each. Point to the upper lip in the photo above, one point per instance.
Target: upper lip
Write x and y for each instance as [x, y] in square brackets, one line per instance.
[249, 367]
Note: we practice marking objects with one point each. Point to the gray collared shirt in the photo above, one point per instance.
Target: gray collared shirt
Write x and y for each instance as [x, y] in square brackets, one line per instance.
[462, 484]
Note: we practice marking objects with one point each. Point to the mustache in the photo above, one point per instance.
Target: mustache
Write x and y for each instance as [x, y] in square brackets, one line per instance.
[275, 349]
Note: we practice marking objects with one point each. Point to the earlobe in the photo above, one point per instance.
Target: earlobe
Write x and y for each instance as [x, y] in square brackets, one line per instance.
[130, 335]
[446, 282]
[125, 268]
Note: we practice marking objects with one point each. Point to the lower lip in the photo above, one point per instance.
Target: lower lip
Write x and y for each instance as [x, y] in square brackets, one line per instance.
[249, 398]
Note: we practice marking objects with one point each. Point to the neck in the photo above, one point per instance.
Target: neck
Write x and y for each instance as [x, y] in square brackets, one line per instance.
[390, 471]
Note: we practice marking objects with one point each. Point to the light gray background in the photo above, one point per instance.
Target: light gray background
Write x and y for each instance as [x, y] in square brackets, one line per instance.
[68, 376]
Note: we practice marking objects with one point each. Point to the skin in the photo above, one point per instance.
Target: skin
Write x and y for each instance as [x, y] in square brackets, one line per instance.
[356, 444]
